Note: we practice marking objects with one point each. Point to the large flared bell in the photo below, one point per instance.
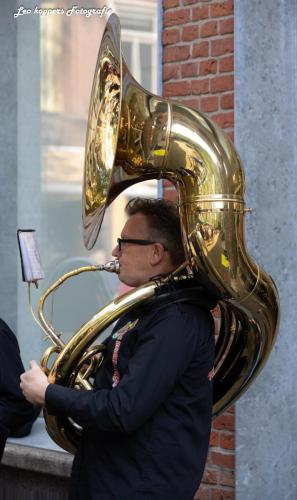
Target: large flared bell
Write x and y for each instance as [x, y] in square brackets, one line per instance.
[127, 134]
[102, 131]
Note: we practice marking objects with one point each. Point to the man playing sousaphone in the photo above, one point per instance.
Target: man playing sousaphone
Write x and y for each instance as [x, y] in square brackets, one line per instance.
[146, 423]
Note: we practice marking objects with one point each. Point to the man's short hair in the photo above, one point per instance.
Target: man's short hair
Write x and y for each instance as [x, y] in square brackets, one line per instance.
[164, 223]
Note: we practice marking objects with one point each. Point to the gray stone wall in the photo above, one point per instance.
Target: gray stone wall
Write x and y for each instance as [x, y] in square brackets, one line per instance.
[8, 163]
[20, 204]
[29, 207]
[30, 473]
[266, 138]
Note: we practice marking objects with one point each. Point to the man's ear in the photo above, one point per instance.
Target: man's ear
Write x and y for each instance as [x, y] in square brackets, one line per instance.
[157, 253]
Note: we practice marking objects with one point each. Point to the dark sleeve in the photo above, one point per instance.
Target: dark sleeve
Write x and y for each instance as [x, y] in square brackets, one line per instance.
[162, 353]
[15, 411]
[2, 446]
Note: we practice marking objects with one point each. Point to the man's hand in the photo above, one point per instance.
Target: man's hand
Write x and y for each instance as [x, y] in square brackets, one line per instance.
[33, 384]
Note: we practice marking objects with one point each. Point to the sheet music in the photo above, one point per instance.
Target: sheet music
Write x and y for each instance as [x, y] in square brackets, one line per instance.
[30, 258]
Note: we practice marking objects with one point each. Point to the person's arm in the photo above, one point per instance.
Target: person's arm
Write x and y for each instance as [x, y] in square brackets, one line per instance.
[15, 411]
[33, 384]
[162, 354]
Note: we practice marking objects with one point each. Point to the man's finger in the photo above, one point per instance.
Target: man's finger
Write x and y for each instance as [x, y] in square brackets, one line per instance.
[33, 364]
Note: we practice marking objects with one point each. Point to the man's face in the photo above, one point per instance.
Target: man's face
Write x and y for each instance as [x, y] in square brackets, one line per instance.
[135, 260]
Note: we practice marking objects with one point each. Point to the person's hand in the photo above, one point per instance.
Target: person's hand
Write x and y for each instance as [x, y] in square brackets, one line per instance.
[34, 383]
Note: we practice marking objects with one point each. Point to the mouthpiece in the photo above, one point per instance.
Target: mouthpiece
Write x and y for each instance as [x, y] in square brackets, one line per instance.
[112, 266]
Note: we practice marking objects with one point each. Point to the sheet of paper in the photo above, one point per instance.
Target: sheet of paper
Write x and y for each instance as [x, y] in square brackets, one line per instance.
[30, 258]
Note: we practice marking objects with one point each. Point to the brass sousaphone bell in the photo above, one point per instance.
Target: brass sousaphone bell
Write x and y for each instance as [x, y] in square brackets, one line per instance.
[133, 136]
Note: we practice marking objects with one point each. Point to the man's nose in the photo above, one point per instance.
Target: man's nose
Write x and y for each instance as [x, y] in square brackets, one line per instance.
[115, 252]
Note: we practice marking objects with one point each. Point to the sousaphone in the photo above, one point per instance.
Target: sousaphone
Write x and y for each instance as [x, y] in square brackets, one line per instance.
[133, 136]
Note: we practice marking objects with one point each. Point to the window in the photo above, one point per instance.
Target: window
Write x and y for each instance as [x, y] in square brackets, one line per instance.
[68, 52]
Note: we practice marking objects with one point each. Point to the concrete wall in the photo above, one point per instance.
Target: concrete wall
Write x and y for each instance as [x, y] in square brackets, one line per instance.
[20, 204]
[29, 162]
[266, 138]
[8, 163]
[30, 473]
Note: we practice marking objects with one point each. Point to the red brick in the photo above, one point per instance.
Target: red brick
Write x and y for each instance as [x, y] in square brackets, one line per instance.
[226, 64]
[214, 439]
[227, 26]
[176, 88]
[227, 101]
[222, 46]
[223, 459]
[225, 422]
[221, 9]
[209, 28]
[227, 441]
[222, 494]
[190, 33]
[171, 71]
[208, 67]
[168, 4]
[199, 13]
[193, 103]
[230, 134]
[170, 36]
[167, 184]
[174, 17]
[231, 409]
[200, 86]
[200, 49]
[177, 53]
[170, 194]
[189, 69]
[222, 83]
[202, 493]
[189, 2]
[227, 478]
[209, 104]
[210, 476]
[224, 120]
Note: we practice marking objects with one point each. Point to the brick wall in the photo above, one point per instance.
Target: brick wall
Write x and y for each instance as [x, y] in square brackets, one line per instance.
[198, 70]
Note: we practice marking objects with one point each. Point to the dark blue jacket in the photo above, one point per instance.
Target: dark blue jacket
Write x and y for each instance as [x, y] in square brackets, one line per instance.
[146, 437]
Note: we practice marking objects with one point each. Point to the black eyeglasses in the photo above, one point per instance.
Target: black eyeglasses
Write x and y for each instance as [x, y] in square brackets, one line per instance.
[135, 242]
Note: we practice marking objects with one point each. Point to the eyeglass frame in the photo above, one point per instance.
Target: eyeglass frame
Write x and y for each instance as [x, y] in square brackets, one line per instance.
[120, 241]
